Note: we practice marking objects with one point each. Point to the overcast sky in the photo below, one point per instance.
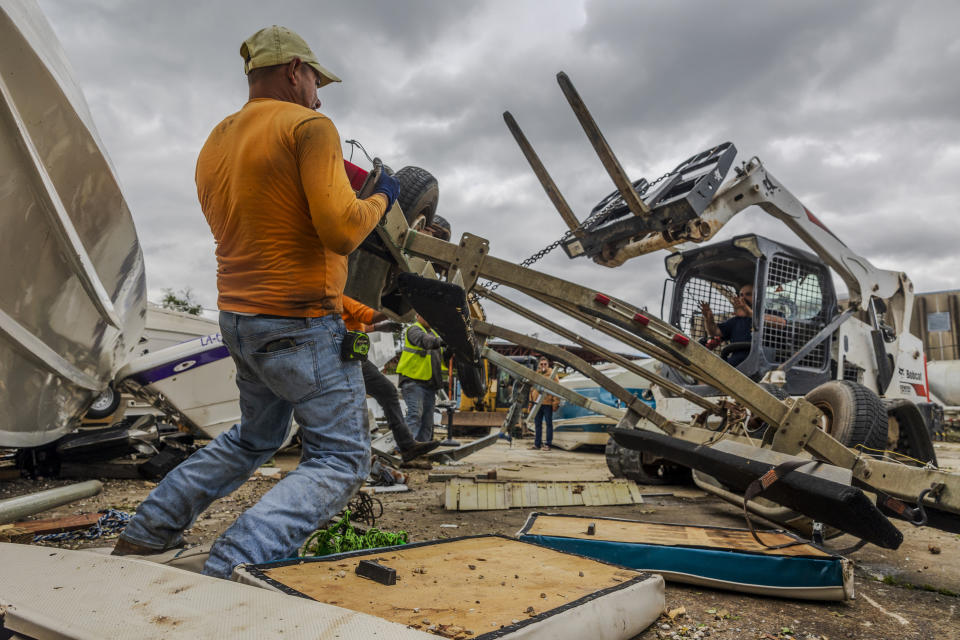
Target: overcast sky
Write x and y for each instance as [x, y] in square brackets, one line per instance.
[854, 106]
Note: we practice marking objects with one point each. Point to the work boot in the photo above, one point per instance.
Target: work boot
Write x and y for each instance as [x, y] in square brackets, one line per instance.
[418, 449]
[126, 548]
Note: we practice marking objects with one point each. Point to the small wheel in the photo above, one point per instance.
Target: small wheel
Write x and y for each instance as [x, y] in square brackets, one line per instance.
[105, 404]
[852, 413]
[419, 195]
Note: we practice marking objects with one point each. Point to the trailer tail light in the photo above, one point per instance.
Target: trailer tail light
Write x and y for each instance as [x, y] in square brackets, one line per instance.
[641, 319]
[681, 339]
[356, 174]
[601, 299]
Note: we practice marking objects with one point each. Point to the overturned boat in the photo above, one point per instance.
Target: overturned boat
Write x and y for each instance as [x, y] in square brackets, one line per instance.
[72, 303]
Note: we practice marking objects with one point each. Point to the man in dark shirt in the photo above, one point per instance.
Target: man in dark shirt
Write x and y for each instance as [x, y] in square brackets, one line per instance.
[739, 327]
[736, 328]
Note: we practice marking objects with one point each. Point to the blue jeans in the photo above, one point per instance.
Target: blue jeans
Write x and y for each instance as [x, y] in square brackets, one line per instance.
[545, 413]
[420, 400]
[284, 366]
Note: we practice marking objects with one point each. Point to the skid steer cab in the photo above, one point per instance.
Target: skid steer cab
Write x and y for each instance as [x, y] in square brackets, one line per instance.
[793, 300]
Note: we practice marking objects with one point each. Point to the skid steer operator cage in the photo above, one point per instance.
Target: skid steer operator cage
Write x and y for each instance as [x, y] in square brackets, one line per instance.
[693, 293]
[793, 292]
[794, 423]
[793, 300]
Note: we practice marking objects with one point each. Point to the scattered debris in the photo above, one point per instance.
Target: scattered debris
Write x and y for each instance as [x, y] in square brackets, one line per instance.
[111, 523]
[59, 525]
[679, 612]
[341, 537]
[375, 571]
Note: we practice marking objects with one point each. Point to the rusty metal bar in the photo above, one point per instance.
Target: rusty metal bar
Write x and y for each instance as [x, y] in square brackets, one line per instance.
[600, 145]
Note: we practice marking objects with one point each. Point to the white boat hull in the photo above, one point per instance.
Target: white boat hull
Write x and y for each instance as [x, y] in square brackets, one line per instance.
[72, 296]
[196, 377]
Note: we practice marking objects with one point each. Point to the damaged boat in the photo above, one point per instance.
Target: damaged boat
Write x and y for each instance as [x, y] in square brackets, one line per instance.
[73, 300]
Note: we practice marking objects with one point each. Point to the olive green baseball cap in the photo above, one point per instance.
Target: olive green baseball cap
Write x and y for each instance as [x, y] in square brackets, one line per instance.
[279, 45]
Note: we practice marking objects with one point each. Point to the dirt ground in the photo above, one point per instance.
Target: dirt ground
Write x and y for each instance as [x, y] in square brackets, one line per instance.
[908, 593]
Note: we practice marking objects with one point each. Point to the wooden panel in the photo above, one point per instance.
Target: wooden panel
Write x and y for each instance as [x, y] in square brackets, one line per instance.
[468, 495]
[59, 525]
[669, 535]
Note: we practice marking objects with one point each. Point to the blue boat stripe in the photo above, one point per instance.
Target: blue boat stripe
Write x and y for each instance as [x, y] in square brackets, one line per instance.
[174, 367]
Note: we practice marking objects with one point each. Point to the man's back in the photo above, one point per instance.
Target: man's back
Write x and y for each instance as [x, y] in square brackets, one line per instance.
[272, 186]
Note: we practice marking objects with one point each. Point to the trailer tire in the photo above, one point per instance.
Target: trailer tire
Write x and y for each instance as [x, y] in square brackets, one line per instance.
[629, 464]
[855, 415]
[419, 195]
[104, 405]
[471, 377]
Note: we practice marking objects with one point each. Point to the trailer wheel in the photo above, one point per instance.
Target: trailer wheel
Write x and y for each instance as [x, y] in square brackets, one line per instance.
[630, 464]
[853, 414]
[104, 405]
[419, 195]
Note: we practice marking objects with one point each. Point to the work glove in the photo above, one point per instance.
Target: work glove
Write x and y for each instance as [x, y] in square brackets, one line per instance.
[388, 186]
[388, 326]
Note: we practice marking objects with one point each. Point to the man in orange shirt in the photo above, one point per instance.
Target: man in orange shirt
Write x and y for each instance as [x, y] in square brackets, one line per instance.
[272, 185]
[359, 317]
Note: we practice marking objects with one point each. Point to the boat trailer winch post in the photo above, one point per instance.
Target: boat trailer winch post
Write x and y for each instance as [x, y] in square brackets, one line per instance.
[796, 421]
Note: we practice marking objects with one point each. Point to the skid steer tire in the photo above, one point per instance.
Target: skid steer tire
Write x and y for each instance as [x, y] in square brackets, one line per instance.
[419, 195]
[629, 464]
[855, 415]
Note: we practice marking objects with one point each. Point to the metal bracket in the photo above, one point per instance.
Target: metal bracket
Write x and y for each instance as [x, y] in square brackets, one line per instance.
[393, 231]
[797, 426]
[465, 267]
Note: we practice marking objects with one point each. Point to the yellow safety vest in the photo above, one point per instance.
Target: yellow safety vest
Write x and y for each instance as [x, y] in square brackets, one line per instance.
[415, 361]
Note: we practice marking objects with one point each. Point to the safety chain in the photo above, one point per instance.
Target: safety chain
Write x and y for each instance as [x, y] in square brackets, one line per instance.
[592, 222]
[112, 522]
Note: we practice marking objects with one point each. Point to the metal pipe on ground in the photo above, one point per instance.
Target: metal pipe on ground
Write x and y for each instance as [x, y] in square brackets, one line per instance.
[18, 508]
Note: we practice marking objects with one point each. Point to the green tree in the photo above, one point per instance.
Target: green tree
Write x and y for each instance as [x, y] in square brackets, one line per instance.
[182, 300]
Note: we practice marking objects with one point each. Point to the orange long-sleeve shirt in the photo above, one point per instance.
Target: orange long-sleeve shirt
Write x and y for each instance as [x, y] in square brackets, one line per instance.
[275, 193]
[356, 315]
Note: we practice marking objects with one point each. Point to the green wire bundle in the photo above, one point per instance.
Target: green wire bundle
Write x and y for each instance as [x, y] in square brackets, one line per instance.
[341, 537]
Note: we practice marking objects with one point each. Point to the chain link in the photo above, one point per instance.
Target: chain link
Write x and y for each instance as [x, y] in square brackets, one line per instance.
[592, 222]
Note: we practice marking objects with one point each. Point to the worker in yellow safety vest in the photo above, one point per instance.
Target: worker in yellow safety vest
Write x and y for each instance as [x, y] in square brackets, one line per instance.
[420, 371]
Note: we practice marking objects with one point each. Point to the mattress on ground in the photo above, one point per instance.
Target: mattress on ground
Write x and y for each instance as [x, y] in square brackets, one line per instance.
[719, 557]
[479, 587]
